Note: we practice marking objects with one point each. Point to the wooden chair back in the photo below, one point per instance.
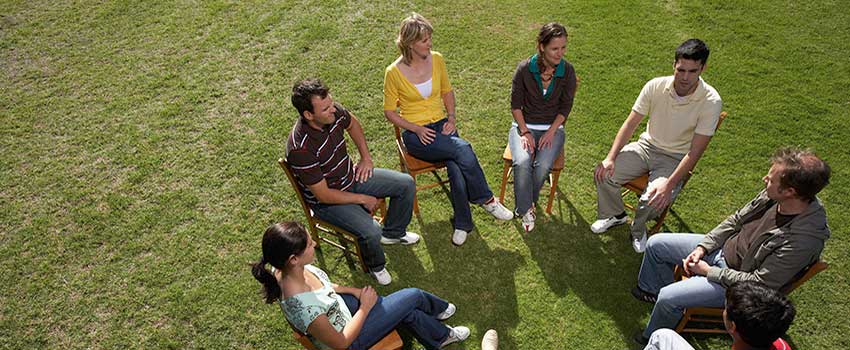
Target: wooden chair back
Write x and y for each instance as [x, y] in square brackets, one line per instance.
[305, 207]
[316, 225]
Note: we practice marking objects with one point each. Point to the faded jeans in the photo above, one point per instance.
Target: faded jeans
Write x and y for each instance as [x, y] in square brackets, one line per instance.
[663, 252]
[532, 170]
[354, 218]
[413, 308]
[466, 178]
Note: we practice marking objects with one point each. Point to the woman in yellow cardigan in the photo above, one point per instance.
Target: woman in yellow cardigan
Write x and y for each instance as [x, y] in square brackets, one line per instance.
[416, 88]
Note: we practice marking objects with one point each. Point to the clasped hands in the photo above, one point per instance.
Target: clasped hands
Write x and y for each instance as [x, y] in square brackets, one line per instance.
[693, 265]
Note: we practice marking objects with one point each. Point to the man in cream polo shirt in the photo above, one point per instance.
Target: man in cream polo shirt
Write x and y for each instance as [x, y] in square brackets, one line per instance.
[683, 111]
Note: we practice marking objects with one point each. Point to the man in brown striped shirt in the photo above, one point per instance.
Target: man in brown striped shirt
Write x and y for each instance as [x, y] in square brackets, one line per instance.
[339, 191]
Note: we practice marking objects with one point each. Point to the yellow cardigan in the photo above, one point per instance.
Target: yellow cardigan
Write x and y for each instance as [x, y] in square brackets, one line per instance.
[401, 94]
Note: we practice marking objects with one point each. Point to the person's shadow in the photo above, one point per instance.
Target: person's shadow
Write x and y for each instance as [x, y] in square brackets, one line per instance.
[598, 269]
[475, 277]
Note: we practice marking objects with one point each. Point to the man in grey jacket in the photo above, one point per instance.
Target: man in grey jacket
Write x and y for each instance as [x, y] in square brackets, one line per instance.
[770, 240]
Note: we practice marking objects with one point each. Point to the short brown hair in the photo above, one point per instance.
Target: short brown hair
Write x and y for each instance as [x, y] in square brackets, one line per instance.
[803, 171]
[413, 28]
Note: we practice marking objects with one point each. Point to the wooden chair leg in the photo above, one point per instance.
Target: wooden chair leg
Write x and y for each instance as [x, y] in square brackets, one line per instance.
[659, 222]
[684, 321]
[415, 197]
[505, 169]
[553, 189]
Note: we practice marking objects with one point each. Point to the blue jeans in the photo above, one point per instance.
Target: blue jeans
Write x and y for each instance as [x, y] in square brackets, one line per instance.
[663, 252]
[354, 218]
[466, 178]
[531, 171]
[412, 307]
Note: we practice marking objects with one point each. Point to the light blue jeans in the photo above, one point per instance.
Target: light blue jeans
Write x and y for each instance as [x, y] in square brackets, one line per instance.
[354, 218]
[466, 178]
[663, 252]
[531, 170]
[412, 308]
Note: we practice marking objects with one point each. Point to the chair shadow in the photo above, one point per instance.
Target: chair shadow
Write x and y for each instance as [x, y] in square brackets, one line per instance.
[684, 226]
[598, 269]
[478, 279]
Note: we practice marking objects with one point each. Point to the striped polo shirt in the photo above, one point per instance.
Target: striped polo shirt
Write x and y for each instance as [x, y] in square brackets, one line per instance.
[314, 154]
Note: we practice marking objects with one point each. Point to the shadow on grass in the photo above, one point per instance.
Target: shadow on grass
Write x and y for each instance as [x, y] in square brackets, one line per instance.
[714, 341]
[484, 300]
[598, 269]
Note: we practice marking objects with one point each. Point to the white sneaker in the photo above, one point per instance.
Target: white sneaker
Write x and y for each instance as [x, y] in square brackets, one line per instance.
[408, 239]
[383, 277]
[450, 311]
[490, 340]
[456, 334]
[639, 244]
[603, 225]
[528, 220]
[498, 210]
[459, 237]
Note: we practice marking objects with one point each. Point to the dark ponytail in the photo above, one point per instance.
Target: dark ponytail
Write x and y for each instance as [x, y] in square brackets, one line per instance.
[271, 289]
[280, 241]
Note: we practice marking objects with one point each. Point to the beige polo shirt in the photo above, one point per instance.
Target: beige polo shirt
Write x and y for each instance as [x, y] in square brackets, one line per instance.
[673, 122]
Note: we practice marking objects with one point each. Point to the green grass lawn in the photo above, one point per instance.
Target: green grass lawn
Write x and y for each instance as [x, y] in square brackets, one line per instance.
[138, 148]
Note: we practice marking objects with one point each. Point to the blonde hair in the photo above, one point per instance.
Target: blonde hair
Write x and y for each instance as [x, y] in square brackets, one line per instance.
[413, 28]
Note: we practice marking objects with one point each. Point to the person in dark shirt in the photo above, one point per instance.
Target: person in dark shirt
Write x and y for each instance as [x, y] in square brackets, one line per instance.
[339, 191]
[542, 93]
[770, 240]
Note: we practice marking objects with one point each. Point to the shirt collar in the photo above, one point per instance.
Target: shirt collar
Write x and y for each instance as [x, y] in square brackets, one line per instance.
[560, 70]
[698, 95]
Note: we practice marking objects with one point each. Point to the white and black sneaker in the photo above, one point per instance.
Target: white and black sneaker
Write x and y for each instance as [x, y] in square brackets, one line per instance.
[408, 239]
[456, 334]
[449, 312]
[602, 225]
[498, 210]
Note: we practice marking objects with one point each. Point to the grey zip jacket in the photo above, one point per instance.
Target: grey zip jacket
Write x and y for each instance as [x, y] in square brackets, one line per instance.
[776, 256]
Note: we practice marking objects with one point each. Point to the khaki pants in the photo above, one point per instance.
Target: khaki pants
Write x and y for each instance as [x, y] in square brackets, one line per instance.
[634, 160]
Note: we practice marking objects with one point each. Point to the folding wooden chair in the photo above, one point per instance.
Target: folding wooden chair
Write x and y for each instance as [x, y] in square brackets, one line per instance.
[316, 225]
[711, 319]
[391, 341]
[415, 166]
[554, 174]
[638, 186]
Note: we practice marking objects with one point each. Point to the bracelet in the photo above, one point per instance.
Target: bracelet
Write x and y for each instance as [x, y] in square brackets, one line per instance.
[522, 133]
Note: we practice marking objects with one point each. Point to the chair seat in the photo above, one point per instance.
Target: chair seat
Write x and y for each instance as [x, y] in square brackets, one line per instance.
[639, 184]
[420, 166]
[710, 319]
[391, 341]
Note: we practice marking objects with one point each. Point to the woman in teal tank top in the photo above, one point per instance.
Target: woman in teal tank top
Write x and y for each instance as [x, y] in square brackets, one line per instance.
[339, 317]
